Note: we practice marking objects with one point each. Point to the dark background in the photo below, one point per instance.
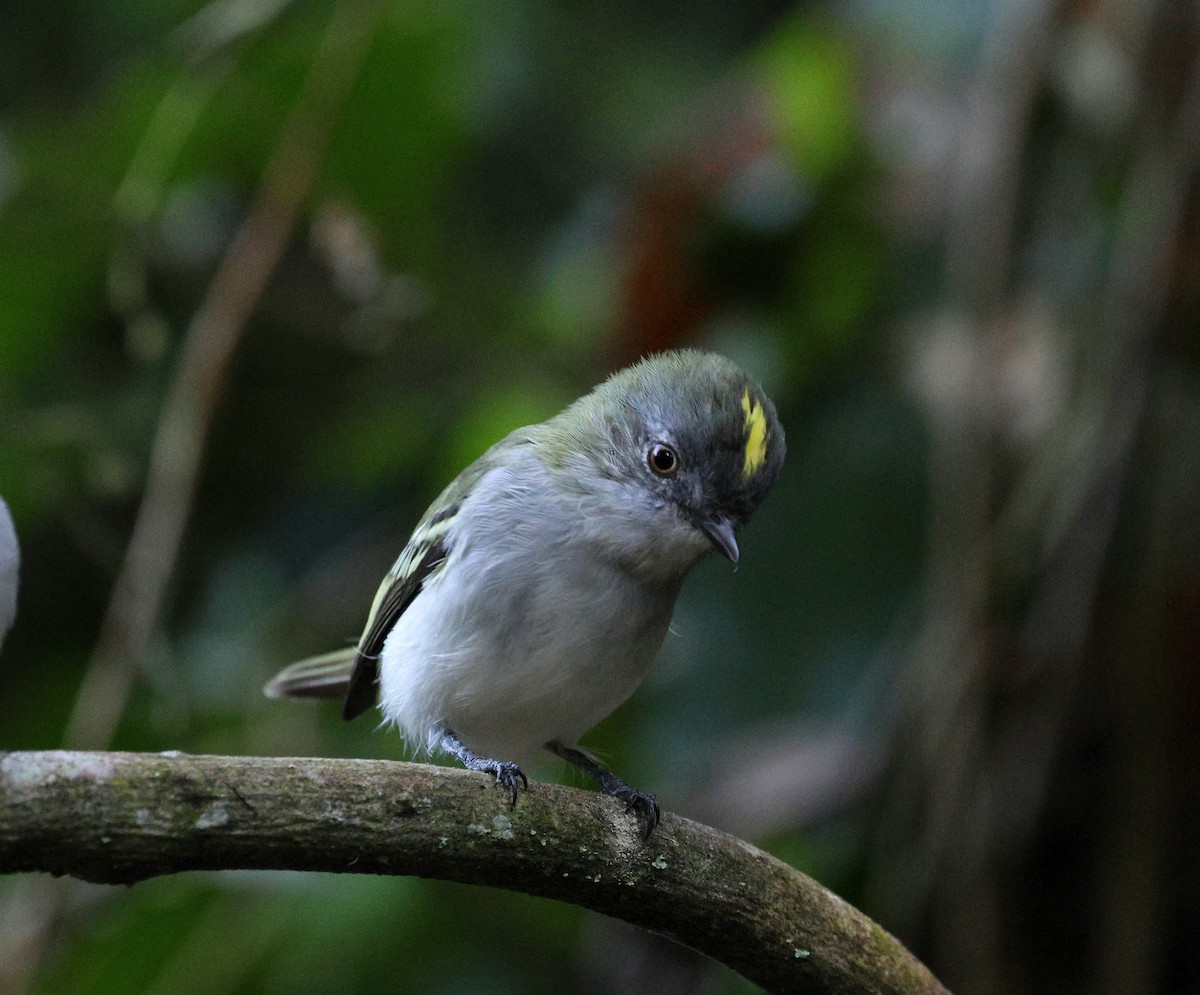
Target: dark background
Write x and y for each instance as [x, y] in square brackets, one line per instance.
[326, 253]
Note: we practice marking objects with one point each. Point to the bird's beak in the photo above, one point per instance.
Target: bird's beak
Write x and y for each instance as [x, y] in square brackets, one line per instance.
[720, 534]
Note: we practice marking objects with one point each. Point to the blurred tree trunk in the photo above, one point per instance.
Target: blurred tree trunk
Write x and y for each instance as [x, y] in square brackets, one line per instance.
[1044, 700]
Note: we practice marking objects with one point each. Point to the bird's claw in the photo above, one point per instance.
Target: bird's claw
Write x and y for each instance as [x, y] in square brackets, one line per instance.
[510, 777]
[645, 805]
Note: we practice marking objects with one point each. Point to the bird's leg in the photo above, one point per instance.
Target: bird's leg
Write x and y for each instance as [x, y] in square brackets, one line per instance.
[507, 774]
[635, 801]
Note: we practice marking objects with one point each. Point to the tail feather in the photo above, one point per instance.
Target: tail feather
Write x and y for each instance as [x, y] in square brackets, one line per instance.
[324, 676]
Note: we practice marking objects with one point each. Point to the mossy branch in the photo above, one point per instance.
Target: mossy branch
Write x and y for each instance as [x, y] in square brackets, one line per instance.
[118, 818]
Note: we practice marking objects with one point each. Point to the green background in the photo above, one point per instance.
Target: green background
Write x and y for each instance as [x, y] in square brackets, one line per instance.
[954, 678]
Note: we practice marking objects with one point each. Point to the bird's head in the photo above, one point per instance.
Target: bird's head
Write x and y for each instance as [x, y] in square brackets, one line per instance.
[688, 444]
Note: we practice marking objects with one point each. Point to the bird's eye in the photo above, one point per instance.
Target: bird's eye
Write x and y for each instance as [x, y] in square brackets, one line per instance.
[662, 459]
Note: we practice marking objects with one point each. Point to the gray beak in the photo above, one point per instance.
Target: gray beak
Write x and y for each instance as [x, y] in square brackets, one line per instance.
[720, 534]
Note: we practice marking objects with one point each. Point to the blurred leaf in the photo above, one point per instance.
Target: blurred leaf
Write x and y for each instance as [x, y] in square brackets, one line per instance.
[366, 446]
[491, 417]
[808, 77]
[395, 150]
[834, 287]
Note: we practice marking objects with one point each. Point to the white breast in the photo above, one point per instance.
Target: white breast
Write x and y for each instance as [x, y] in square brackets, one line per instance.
[529, 633]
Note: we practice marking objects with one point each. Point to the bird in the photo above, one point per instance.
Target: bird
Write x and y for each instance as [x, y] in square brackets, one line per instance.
[537, 589]
[10, 563]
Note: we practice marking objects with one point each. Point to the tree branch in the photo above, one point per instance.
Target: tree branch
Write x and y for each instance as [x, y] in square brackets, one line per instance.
[119, 818]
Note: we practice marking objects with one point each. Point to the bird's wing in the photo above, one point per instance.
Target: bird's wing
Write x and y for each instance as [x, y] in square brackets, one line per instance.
[425, 553]
[355, 672]
[421, 557]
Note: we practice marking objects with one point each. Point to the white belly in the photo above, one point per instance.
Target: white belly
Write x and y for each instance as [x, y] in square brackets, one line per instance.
[532, 643]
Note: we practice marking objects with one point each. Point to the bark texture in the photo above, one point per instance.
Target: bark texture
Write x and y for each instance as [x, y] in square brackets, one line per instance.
[119, 818]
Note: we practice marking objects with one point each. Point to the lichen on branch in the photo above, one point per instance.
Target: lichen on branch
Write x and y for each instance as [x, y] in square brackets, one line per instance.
[124, 817]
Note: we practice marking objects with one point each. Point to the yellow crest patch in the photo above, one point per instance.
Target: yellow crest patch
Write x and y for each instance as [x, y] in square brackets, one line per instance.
[756, 435]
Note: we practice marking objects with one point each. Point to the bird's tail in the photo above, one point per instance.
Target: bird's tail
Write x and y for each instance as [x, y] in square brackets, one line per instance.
[324, 676]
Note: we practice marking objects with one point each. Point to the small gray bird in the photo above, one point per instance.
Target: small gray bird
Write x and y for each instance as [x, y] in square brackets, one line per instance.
[534, 594]
[10, 563]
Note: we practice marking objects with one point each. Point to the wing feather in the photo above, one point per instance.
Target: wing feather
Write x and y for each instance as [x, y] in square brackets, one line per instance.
[403, 583]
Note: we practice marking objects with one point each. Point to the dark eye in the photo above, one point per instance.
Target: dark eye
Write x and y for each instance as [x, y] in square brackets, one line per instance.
[662, 459]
